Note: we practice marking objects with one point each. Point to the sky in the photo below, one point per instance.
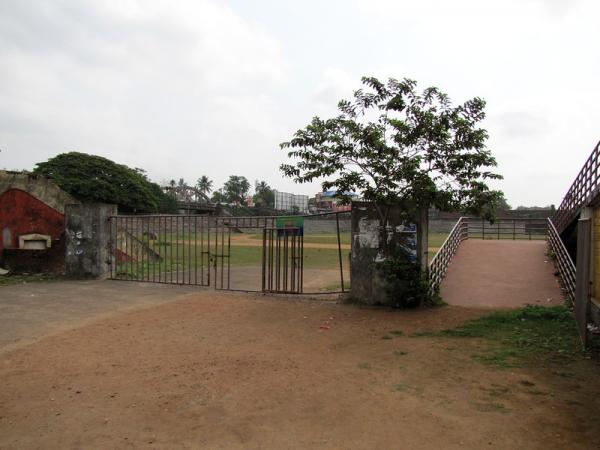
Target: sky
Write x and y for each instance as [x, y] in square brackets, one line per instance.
[200, 87]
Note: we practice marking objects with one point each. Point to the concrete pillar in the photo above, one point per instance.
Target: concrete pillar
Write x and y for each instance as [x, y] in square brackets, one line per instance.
[369, 285]
[87, 230]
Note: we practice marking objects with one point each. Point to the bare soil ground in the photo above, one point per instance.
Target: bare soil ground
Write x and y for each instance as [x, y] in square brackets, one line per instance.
[220, 371]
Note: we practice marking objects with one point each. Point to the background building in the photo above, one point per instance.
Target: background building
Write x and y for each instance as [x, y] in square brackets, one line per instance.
[328, 201]
[285, 201]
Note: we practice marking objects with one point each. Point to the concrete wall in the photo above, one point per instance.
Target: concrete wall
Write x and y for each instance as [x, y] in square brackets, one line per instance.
[39, 187]
[328, 225]
[50, 260]
[88, 253]
[441, 225]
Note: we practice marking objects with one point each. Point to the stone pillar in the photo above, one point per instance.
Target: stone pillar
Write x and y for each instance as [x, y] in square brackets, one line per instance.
[87, 231]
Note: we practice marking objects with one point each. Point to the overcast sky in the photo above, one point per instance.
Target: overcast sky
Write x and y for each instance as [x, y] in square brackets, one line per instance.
[201, 87]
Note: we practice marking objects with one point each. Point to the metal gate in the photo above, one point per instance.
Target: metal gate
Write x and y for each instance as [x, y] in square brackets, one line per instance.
[161, 249]
[280, 266]
[283, 260]
[250, 254]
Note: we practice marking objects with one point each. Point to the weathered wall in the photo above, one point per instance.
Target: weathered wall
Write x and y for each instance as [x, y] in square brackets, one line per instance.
[21, 213]
[50, 260]
[87, 230]
[39, 187]
[368, 285]
[327, 225]
[441, 225]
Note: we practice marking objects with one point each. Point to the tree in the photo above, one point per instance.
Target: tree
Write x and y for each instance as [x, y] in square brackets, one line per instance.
[503, 204]
[236, 189]
[91, 178]
[218, 197]
[264, 195]
[181, 183]
[204, 185]
[399, 146]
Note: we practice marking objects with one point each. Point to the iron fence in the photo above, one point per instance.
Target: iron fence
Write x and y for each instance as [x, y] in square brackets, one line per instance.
[439, 264]
[564, 264]
[507, 228]
[250, 254]
[172, 249]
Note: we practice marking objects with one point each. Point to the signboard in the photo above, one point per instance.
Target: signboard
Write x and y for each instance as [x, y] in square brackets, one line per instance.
[408, 240]
[290, 225]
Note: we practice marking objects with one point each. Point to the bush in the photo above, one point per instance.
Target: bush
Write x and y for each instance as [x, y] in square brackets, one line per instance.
[406, 284]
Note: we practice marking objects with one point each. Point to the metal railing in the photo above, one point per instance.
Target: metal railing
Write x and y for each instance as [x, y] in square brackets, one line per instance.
[507, 228]
[562, 260]
[439, 264]
[475, 228]
[581, 191]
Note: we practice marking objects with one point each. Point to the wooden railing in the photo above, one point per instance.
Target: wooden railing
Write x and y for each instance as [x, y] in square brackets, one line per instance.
[439, 264]
[562, 260]
[581, 191]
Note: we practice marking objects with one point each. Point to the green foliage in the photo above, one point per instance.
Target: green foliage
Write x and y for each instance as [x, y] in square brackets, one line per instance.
[93, 178]
[235, 190]
[264, 196]
[406, 285]
[204, 184]
[396, 145]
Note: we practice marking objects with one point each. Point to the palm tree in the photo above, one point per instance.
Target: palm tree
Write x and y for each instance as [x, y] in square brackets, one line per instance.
[204, 184]
[260, 187]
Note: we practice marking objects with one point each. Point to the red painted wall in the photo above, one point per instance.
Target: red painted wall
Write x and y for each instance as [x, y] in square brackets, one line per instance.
[22, 213]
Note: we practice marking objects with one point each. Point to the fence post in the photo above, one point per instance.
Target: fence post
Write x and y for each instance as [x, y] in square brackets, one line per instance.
[337, 226]
[582, 274]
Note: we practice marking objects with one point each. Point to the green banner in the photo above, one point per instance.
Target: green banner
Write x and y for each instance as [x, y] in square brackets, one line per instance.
[294, 224]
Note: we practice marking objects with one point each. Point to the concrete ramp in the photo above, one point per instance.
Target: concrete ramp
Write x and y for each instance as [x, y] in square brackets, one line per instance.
[501, 273]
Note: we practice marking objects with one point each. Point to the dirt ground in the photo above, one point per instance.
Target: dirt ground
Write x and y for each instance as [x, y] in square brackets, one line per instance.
[501, 273]
[199, 369]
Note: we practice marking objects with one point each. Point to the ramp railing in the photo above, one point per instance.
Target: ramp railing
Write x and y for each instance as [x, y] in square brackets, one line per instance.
[439, 264]
[475, 228]
[581, 191]
[562, 260]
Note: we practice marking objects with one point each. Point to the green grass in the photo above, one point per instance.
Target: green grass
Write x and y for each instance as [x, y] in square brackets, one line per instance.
[533, 334]
[7, 280]
[174, 257]
[437, 239]
[321, 238]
